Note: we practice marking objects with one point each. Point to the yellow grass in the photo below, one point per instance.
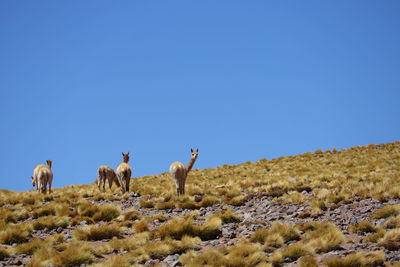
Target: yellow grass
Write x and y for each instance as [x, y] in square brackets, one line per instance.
[333, 177]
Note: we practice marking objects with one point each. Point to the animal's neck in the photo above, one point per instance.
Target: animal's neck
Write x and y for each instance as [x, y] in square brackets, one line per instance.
[190, 165]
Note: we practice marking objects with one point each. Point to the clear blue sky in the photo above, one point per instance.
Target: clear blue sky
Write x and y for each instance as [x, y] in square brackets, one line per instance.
[82, 81]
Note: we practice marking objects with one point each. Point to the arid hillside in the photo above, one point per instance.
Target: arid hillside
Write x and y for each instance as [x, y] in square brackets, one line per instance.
[322, 208]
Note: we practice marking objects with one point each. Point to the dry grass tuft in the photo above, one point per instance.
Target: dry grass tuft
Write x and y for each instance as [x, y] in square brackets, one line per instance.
[116, 260]
[318, 205]
[374, 258]
[131, 215]
[374, 238]
[165, 205]
[287, 232]
[236, 201]
[3, 253]
[323, 237]
[209, 201]
[393, 222]
[30, 247]
[178, 227]
[141, 226]
[45, 211]
[188, 204]
[211, 257]
[78, 219]
[74, 255]
[94, 233]
[50, 222]
[235, 256]
[363, 226]
[15, 234]
[228, 216]
[260, 235]
[131, 243]
[334, 198]
[146, 203]
[387, 211]
[391, 240]
[308, 261]
[296, 250]
[106, 213]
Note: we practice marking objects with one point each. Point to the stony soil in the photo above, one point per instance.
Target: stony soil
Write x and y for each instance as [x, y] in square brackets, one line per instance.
[258, 211]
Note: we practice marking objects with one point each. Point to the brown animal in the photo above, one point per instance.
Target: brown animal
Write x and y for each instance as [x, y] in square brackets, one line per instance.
[124, 172]
[107, 173]
[179, 172]
[42, 175]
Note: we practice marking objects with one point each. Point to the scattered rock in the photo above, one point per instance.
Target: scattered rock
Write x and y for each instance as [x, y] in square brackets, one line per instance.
[198, 198]
[17, 261]
[176, 263]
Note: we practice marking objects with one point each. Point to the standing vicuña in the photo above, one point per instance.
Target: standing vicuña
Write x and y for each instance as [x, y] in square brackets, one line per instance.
[42, 175]
[124, 173]
[106, 173]
[179, 172]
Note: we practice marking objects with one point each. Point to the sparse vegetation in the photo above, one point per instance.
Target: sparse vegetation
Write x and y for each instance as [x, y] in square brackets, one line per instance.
[375, 258]
[218, 201]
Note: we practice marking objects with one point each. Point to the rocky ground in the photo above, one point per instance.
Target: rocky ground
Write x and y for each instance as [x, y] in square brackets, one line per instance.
[257, 212]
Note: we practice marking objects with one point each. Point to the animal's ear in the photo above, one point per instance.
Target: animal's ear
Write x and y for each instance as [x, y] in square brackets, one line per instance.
[123, 154]
[197, 150]
[128, 154]
[191, 150]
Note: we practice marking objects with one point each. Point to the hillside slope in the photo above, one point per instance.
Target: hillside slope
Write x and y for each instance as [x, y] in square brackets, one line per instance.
[332, 208]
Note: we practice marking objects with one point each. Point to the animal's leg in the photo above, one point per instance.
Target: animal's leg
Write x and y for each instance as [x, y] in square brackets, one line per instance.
[128, 180]
[123, 185]
[183, 186]
[180, 187]
[110, 182]
[39, 188]
[177, 187]
[50, 186]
